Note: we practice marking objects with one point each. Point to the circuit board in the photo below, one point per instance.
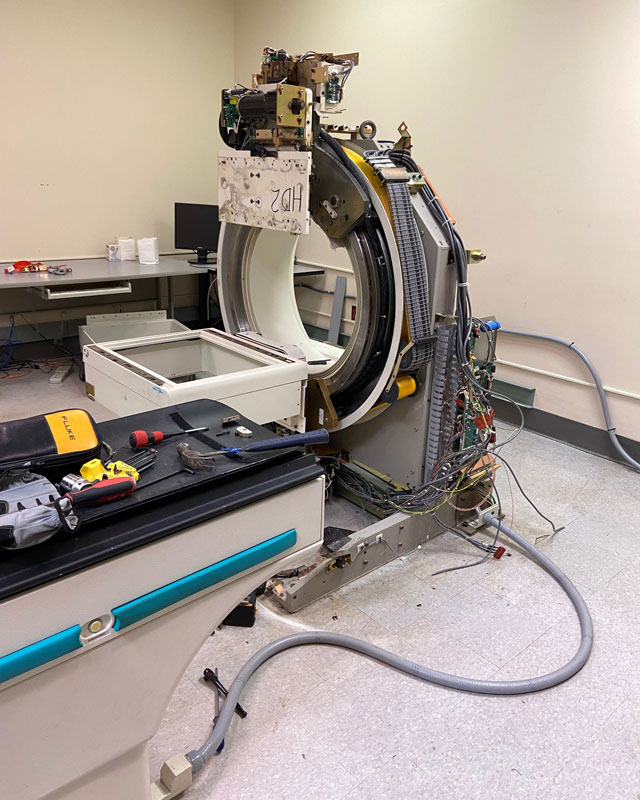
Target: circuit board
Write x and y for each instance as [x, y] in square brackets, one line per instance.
[474, 421]
[277, 111]
[229, 109]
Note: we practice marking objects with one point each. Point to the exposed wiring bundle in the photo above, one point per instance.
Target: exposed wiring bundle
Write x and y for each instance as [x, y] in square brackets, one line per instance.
[12, 368]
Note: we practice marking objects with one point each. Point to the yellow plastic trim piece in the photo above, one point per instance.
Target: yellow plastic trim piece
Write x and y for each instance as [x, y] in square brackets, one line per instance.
[406, 386]
[367, 171]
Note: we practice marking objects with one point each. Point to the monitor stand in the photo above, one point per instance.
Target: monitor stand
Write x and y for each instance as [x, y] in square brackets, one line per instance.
[202, 260]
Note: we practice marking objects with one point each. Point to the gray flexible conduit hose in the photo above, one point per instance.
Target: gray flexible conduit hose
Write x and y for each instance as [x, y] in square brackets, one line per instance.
[199, 758]
[611, 430]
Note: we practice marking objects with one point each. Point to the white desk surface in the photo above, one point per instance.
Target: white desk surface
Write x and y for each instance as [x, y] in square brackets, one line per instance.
[98, 270]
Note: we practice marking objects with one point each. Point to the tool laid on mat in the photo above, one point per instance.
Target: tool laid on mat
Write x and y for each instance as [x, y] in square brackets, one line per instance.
[95, 470]
[195, 459]
[79, 490]
[320, 436]
[145, 438]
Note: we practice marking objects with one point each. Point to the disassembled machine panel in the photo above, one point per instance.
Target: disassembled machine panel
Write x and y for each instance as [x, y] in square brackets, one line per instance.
[265, 192]
[255, 378]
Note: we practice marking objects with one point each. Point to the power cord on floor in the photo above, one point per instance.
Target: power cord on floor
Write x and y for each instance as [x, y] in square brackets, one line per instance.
[198, 758]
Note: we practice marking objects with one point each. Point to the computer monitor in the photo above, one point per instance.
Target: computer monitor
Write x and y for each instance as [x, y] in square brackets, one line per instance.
[197, 228]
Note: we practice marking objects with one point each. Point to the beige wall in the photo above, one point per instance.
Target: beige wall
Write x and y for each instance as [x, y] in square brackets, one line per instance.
[526, 117]
[108, 116]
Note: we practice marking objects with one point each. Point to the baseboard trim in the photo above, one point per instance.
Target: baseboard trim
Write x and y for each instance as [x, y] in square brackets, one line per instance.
[585, 437]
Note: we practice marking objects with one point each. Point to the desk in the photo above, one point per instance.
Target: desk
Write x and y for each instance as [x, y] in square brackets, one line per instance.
[100, 271]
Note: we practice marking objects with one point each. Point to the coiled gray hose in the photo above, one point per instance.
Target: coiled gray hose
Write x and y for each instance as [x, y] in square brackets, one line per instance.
[199, 758]
[611, 430]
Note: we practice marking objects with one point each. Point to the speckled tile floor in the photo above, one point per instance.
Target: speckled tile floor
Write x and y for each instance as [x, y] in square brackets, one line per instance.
[328, 724]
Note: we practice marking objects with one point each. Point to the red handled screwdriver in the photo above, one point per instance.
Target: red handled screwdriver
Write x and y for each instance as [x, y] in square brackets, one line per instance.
[103, 491]
[144, 438]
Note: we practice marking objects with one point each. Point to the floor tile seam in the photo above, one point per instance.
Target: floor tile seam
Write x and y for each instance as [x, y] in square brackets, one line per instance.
[361, 611]
[591, 545]
[519, 607]
[437, 605]
[520, 652]
[552, 582]
[464, 644]
[596, 731]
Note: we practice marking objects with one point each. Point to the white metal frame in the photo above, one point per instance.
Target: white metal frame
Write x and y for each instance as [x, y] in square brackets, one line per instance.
[263, 386]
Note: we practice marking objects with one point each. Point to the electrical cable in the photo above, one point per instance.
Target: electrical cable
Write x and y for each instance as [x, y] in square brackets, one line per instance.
[8, 343]
[49, 341]
[469, 539]
[490, 552]
[610, 427]
[198, 758]
[464, 317]
[346, 162]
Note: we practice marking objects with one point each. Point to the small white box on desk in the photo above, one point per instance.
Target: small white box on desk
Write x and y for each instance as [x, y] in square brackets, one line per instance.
[148, 250]
[127, 248]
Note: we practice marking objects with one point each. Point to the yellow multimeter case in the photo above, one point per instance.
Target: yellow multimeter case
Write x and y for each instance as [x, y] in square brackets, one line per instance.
[60, 439]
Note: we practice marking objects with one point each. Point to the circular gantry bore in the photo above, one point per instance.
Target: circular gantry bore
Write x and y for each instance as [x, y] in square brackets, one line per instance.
[258, 294]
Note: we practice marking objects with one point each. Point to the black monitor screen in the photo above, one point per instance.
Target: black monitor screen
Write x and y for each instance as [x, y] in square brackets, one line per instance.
[197, 226]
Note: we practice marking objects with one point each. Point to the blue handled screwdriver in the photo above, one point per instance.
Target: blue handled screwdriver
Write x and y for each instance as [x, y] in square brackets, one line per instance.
[320, 436]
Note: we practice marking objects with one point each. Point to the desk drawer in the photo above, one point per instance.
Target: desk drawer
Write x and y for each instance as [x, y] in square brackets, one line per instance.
[82, 290]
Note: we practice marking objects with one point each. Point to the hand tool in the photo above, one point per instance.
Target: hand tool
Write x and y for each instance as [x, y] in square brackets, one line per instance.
[320, 436]
[144, 438]
[98, 492]
[95, 470]
[216, 706]
[211, 676]
[196, 459]
[164, 477]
